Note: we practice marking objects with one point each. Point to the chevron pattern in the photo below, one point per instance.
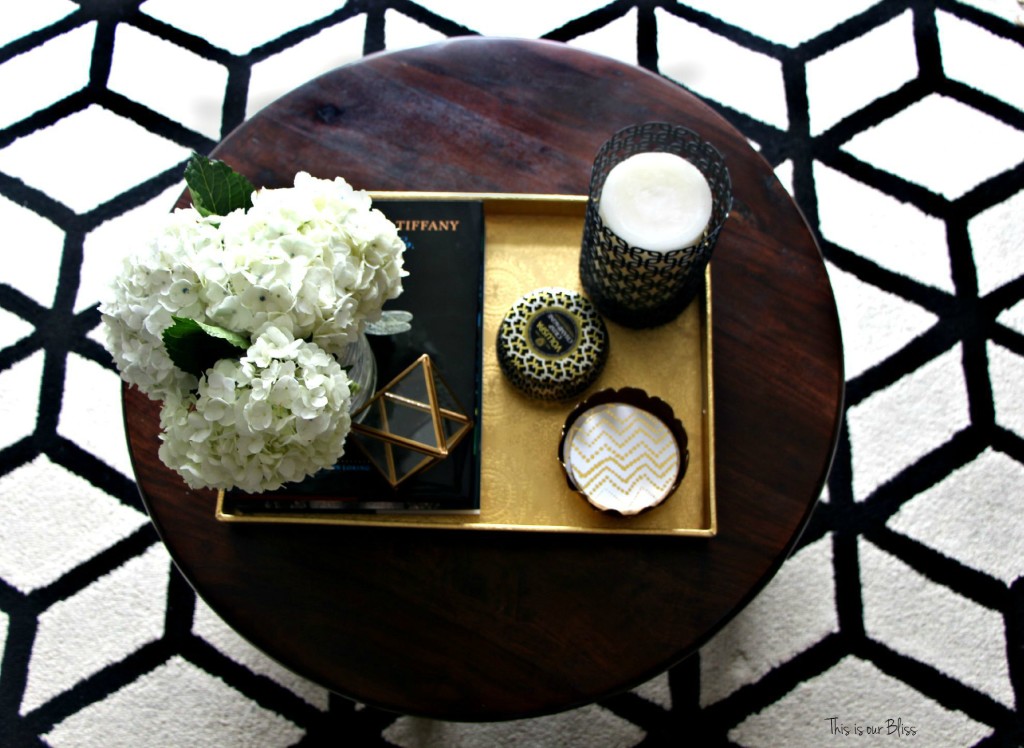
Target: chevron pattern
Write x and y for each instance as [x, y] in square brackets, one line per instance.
[897, 125]
[622, 458]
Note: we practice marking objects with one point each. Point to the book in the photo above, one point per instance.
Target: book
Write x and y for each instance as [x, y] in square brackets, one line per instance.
[443, 290]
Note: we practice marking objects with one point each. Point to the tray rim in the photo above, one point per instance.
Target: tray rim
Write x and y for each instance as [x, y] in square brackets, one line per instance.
[512, 203]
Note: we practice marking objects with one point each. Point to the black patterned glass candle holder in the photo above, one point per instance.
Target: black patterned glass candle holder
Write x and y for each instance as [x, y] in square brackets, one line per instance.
[638, 287]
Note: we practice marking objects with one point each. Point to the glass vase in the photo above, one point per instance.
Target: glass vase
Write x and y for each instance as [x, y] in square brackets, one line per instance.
[358, 360]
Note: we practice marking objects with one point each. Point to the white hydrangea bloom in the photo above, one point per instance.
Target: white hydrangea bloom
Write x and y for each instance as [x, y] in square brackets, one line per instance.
[277, 415]
[155, 283]
[315, 259]
[299, 275]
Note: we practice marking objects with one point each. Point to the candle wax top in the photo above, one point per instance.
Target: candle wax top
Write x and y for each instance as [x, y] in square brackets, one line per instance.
[656, 201]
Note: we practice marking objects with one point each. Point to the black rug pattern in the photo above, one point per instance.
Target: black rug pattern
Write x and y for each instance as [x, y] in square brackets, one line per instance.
[899, 128]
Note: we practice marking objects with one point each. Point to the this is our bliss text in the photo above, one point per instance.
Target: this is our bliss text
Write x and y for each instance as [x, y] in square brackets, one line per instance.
[893, 727]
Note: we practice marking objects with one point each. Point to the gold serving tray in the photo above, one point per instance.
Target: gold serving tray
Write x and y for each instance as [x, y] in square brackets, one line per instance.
[533, 241]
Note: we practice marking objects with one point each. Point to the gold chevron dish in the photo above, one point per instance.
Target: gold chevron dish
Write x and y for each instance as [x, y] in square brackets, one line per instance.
[624, 451]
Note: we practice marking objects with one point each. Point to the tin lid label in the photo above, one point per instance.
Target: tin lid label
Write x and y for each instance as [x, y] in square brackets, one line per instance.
[553, 332]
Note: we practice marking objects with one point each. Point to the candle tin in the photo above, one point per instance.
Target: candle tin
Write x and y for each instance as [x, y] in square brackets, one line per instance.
[624, 451]
[552, 344]
[636, 287]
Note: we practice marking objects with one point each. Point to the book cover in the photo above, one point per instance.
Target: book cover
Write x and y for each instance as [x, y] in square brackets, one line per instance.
[443, 290]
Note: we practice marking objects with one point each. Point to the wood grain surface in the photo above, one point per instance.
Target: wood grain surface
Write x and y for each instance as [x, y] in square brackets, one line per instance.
[496, 625]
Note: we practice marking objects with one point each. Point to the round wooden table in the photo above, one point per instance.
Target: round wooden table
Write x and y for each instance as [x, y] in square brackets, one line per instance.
[482, 625]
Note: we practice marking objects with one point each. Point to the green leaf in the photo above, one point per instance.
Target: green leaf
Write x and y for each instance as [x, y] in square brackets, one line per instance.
[216, 188]
[194, 346]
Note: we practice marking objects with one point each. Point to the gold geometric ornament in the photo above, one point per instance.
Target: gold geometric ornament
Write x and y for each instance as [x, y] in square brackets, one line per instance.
[411, 424]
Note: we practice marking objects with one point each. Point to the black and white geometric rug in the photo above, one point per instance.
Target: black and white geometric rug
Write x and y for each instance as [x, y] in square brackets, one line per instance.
[899, 128]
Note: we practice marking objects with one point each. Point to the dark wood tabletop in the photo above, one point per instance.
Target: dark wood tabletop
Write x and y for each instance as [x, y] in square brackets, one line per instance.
[483, 625]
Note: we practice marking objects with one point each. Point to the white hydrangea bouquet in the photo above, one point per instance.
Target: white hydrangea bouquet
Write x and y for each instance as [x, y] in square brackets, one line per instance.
[235, 315]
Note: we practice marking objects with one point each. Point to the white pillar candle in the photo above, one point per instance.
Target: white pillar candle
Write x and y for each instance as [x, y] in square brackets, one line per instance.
[656, 201]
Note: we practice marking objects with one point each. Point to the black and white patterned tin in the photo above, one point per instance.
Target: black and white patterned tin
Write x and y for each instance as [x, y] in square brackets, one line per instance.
[552, 344]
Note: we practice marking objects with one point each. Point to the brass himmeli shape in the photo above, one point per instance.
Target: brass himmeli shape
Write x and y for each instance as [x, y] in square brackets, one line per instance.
[410, 424]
